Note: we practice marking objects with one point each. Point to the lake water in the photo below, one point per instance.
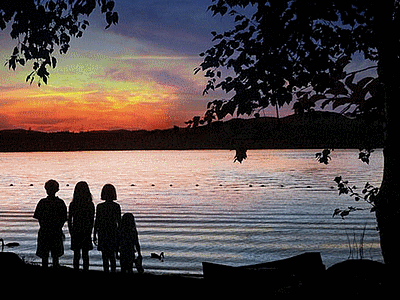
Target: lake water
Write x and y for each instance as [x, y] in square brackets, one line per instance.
[200, 206]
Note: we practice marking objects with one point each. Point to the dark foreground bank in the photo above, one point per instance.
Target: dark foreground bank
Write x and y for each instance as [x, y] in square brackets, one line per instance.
[350, 278]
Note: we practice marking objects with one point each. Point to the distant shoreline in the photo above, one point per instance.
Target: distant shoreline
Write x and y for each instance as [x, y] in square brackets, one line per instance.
[311, 131]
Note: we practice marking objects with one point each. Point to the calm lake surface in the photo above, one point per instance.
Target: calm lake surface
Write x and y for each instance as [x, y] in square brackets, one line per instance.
[200, 206]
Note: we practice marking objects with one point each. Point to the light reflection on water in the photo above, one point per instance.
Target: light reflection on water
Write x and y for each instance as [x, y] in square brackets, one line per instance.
[199, 206]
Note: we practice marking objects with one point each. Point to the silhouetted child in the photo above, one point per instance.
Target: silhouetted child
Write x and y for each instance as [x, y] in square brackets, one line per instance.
[129, 244]
[108, 217]
[51, 213]
[80, 224]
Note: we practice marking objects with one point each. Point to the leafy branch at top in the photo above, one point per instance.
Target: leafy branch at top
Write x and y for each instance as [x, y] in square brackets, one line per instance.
[41, 26]
[362, 98]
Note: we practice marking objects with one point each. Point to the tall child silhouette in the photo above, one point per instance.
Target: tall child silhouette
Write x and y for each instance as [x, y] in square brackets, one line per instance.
[51, 213]
[80, 224]
[108, 218]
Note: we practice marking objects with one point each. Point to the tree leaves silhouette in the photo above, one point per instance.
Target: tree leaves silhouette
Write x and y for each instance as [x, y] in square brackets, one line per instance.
[283, 47]
[42, 26]
[278, 49]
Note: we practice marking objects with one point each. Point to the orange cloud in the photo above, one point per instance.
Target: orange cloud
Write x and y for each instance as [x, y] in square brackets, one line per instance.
[90, 110]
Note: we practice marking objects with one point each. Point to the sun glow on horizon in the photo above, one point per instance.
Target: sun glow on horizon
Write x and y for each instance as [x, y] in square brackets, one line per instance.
[58, 110]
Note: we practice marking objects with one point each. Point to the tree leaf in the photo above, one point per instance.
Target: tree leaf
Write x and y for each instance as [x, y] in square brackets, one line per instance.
[115, 18]
[338, 179]
[29, 76]
[349, 82]
[53, 62]
[110, 5]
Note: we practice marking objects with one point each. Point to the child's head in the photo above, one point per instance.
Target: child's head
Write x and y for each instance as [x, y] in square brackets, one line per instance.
[108, 193]
[128, 221]
[51, 187]
[82, 193]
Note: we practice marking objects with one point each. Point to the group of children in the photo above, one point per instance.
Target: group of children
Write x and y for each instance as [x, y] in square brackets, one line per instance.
[111, 233]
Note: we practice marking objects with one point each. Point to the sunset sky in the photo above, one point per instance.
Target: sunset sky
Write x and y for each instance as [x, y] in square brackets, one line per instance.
[135, 75]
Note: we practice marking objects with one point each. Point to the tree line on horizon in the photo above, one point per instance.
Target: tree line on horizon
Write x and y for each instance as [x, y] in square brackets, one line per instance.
[308, 131]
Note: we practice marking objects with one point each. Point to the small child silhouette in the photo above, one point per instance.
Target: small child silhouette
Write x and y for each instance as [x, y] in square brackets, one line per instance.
[129, 244]
[51, 213]
[108, 217]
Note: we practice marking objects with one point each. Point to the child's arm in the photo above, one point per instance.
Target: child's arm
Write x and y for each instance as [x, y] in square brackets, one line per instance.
[63, 215]
[95, 228]
[137, 245]
[118, 215]
[38, 214]
[95, 235]
[70, 216]
[91, 220]
[138, 249]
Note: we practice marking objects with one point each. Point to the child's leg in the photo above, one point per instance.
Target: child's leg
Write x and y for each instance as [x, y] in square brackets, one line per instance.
[56, 262]
[45, 261]
[77, 257]
[104, 256]
[123, 268]
[122, 263]
[85, 258]
[126, 264]
[113, 262]
[130, 267]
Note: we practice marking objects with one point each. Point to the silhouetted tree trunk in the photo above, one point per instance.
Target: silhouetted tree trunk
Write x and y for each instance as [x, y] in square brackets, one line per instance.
[277, 115]
[388, 199]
